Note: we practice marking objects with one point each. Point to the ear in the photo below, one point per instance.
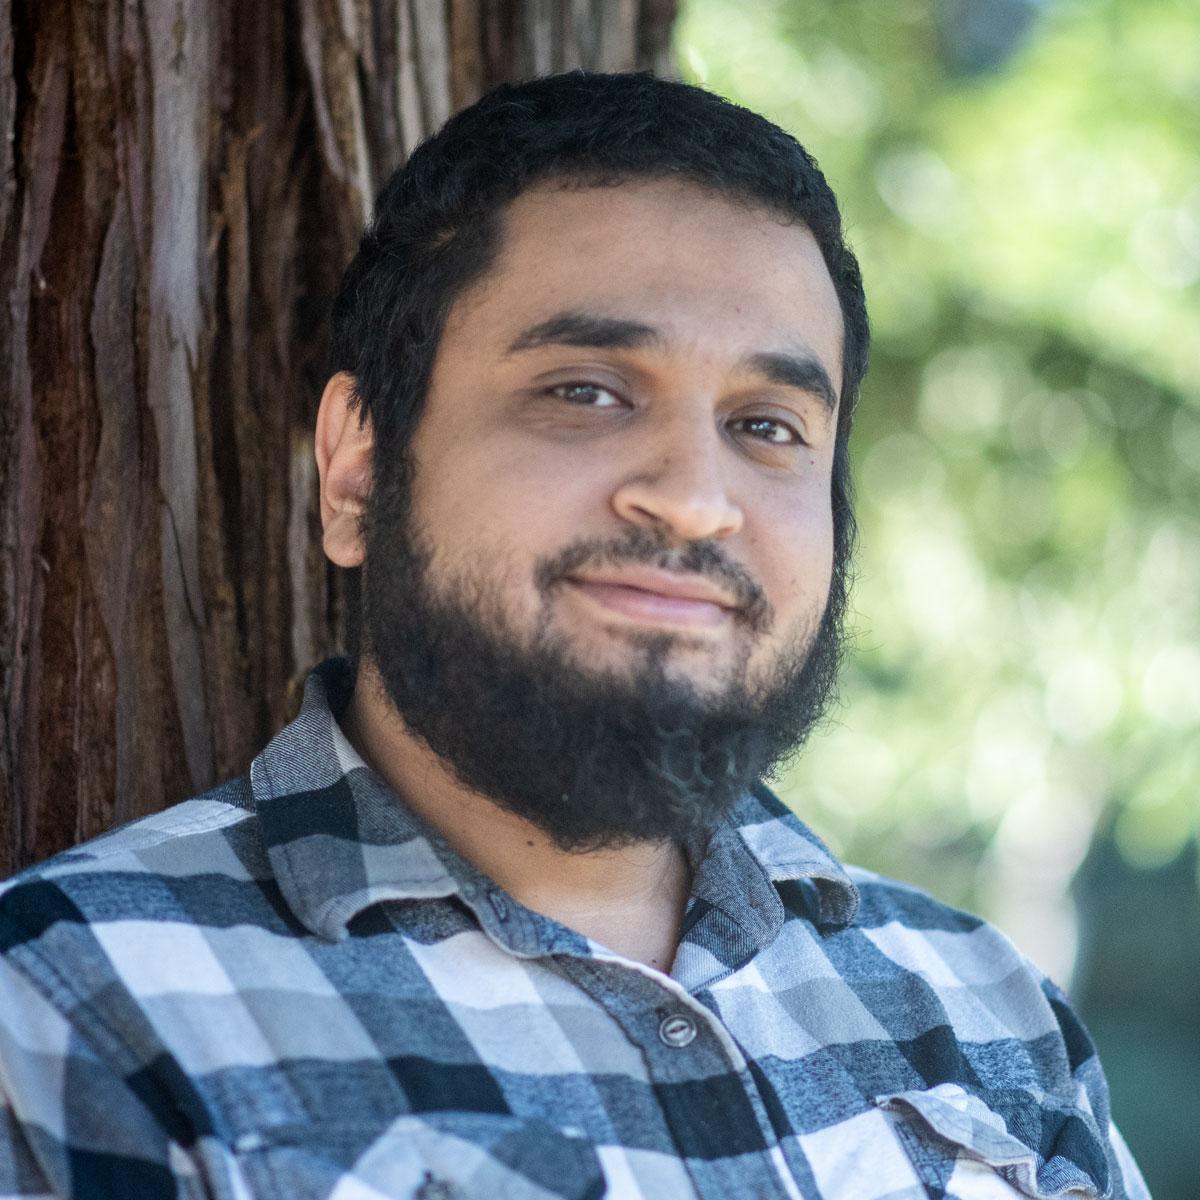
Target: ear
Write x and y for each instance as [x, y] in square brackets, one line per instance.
[344, 448]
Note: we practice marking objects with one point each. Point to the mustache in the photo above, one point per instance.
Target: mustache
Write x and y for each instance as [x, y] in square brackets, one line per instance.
[651, 547]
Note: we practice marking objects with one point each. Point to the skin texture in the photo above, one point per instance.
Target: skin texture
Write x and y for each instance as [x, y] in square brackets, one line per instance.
[527, 444]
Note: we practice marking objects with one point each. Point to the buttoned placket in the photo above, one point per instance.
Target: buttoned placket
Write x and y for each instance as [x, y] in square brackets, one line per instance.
[680, 1039]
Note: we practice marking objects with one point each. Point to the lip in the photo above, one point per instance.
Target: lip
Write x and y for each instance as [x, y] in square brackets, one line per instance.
[649, 595]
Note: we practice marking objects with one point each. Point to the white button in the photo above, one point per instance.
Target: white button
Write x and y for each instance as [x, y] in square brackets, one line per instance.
[677, 1031]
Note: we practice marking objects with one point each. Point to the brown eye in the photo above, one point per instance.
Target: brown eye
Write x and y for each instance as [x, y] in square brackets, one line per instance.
[770, 430]
[586, 395]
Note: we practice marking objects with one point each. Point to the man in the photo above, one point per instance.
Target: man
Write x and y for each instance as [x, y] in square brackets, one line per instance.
[506, 911]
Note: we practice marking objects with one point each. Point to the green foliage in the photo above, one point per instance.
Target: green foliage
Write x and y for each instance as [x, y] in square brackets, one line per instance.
[1028, 441]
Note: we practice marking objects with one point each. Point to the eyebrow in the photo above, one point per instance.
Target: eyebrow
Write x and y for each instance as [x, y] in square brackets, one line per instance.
[587, 329]
[801, 370]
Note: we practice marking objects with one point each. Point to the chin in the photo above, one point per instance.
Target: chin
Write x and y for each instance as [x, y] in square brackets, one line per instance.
[634, 655]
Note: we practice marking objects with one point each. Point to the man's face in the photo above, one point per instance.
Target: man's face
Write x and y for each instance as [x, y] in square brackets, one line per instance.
[553, 419]
[619, 509]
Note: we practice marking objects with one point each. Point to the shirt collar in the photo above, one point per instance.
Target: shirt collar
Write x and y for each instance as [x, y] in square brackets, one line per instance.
[788, 851]
[339, 840]
[335, 834]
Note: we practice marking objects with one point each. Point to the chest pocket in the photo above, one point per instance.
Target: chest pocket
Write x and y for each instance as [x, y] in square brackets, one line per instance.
[437, 1156]
[963, 1148]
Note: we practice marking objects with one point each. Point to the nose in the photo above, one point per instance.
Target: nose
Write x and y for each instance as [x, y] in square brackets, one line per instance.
[678, 485]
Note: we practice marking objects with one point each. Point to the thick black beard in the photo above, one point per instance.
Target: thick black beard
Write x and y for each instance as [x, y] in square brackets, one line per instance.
[595, 759]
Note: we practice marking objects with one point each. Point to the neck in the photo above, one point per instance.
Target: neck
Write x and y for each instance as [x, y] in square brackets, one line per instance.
[630, 899]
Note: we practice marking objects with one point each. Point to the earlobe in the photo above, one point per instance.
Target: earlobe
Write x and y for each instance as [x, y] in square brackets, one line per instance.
[343, 446]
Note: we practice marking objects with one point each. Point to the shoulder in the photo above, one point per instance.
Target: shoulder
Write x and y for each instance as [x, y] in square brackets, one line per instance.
[946, 945]
[959, 955]
[1018, 1024]
[979, 1018]
[148, 869]
[202, 815]
[883, 901]
[163, 908]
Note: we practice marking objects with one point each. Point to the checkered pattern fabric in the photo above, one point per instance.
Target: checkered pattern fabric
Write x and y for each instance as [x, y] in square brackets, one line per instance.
[290, 988]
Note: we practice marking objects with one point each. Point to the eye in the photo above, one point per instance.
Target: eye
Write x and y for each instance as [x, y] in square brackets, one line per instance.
[586, 395]
[769, 429]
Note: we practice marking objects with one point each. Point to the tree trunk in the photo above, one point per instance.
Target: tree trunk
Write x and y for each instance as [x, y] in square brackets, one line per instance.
[181, 182]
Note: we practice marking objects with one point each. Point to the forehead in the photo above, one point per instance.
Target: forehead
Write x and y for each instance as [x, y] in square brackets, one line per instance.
[693, 263]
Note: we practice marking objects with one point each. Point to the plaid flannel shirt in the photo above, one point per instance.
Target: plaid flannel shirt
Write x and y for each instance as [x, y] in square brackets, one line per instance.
[291, 988]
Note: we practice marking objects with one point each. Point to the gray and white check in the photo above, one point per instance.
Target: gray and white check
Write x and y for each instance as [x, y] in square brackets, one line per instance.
[291, 988]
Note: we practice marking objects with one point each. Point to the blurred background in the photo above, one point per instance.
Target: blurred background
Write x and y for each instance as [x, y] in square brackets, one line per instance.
[1020, 731]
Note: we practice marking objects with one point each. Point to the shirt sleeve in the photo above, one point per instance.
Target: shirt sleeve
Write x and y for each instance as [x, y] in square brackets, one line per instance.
[1088, 1075]
[20, 1175]
[1135, 1185]
[69, 1126]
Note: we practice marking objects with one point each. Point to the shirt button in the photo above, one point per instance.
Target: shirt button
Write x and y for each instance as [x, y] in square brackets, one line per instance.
[677, 1031]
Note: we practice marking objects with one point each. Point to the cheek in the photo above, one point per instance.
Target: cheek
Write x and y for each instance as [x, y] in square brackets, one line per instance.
[543, 496]
[796, 553]
[497, 476]
[496, 513]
